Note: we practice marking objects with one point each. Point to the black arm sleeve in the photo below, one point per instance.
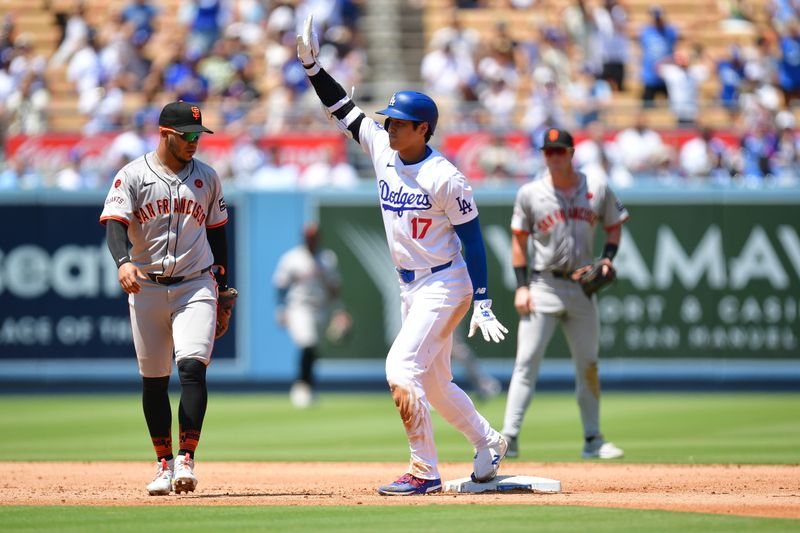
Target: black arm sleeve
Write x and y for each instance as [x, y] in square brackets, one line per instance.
[117, 240]
[218, 240]
[330, 92]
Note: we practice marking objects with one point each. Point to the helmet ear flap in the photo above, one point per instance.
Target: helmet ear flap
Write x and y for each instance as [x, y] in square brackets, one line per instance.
[386, 123]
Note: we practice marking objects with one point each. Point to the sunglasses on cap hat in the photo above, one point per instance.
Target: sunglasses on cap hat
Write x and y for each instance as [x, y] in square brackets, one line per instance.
[189, 136]
[554, 150]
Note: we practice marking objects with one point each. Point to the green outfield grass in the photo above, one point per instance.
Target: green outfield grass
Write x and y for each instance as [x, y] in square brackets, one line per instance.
[461, 518]
[652, 428]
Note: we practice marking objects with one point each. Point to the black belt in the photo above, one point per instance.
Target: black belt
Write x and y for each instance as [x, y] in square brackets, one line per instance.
[563, 274]
[409, 275]
[171, 280]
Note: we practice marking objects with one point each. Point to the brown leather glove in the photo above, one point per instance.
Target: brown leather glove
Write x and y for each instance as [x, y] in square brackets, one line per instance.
[225, 303]
[593, 279]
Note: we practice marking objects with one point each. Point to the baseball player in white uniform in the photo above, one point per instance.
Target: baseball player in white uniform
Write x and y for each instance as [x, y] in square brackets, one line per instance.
[560, 209]
[171, 208]
[309, 285]
[428, 213]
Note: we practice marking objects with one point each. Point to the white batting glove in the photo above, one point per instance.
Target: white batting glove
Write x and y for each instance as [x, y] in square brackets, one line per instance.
[483, 318]
[308, 43]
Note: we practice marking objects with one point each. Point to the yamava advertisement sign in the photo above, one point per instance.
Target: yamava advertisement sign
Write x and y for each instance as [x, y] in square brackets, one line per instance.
[699, 280]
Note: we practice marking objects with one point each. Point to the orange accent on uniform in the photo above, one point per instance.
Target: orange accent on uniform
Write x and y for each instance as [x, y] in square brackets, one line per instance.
[218, 225]
[162, 446]
[520, 232]
[189, 439]
[618, 224]
[103, 220]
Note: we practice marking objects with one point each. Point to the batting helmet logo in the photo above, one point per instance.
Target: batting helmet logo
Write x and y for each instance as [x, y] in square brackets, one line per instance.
[196, 112]
[414, 106]
[198, 184]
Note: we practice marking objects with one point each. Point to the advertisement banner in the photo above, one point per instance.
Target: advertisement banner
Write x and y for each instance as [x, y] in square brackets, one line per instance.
[695, 280]
[59, 291]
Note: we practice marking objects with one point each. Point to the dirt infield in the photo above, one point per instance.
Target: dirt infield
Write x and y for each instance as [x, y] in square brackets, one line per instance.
[754, 490]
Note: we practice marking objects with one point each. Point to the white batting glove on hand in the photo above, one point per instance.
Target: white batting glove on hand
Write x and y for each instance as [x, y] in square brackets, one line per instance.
[308, 43]
[483, 318]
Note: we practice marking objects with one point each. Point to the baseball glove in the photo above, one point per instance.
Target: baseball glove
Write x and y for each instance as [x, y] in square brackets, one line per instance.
[225, 303]
[593, 279]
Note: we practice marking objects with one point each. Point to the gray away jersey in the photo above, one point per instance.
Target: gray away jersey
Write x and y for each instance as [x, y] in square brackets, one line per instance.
[167, 214]
[563, 227]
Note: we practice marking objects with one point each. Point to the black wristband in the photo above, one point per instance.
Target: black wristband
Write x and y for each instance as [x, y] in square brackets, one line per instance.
[610, 251]
[521, 274]
[123, 260]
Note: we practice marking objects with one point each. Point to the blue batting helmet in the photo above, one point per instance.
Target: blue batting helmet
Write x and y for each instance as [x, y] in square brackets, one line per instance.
[411, 105]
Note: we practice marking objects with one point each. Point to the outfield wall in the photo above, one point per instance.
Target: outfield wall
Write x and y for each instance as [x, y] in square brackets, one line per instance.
[708, 290]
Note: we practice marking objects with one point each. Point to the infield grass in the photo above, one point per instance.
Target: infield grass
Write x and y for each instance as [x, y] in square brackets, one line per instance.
[464, 519]
[652, 428]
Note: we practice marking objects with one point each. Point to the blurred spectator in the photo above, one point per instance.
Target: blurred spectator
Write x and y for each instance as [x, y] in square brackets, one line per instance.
[683, 86]
[75, 31]
[85, 71]
[27, 107]
[730, 72]
[705, 156]
[203, 20]
[499, 101]
[657, 42]
[781, 12]
[69, 178]
[640, 148]
[597, 156]
[19, 174]
[787, 158]
[497, 160]
[138, 138]
[589, 97]
[760, 64]
[758, 147]
[140, 14]
[105, 113]
[612, 44]
[331, 170]
[449, 76]
[274, 173]
[543, 106]
[789, 67]
[184, 80]
[579, 27]
[737, 16]
[463, 41]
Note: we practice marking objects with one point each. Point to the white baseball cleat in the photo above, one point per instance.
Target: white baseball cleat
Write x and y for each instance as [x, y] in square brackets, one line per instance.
[301, 395]
[162, 484]
[184, 480]
[598, 448]
[487, 461]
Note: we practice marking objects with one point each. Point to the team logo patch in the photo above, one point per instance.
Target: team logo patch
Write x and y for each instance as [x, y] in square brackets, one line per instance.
[196, 112]
[117, 183]
[553, 134]
[589, 195]
[222, 205]
[198, 184]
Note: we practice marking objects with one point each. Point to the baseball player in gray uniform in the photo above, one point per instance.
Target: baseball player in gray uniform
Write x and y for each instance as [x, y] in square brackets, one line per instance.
[428, 214]
[560, 209]
[309, 285]
[171, 208]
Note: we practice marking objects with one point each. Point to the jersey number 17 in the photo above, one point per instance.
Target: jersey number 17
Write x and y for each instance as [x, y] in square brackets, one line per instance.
[419, 227]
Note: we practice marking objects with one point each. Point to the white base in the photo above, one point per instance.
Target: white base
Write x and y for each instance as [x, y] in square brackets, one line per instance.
[504, 483]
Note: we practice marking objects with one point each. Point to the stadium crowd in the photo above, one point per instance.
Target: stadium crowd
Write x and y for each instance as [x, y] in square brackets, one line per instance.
[572, 67]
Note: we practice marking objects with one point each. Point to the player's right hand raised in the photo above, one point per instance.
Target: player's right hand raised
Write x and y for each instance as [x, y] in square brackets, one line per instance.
[129, 276]
[308, 43]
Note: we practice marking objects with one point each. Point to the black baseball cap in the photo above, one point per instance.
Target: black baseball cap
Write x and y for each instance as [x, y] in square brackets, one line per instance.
[183, 117]
[555, 138]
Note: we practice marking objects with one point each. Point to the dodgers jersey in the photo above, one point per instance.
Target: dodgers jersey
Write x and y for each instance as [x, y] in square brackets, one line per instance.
[563, 226]
[167, 214]
[420, 203]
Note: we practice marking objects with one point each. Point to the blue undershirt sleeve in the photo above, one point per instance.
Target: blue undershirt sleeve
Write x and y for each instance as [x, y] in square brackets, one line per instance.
[475, 256]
